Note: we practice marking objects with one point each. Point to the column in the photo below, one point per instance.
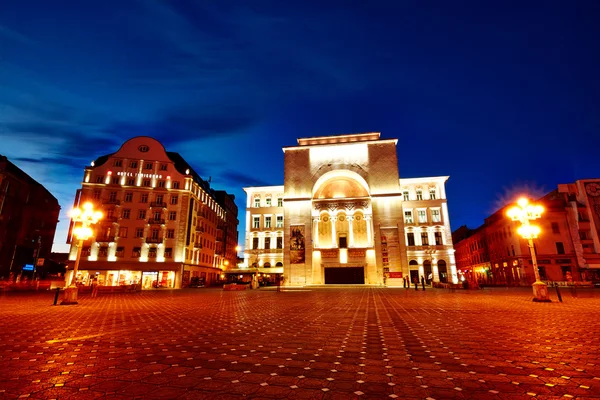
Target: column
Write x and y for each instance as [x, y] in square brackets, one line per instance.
[316, 231]
[369, 230]
[333, 235]
[350, 232]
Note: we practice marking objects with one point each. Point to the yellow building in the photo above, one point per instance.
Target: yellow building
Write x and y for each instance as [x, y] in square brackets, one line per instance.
[344, 215]
[163, 225]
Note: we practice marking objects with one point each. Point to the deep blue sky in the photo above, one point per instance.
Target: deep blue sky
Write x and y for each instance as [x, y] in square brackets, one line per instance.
[504, 97]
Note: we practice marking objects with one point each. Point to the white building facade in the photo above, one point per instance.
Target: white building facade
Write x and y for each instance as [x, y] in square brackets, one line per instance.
[344, 216]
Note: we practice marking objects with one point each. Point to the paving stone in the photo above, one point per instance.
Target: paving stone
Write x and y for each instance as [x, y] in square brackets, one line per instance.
[333, 343]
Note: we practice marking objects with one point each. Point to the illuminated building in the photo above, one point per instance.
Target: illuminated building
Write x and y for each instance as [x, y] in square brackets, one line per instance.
[28, 218]
[344, 215]
[567, 249]
[162, 224]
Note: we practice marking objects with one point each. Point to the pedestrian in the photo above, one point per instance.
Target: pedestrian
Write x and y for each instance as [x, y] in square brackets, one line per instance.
[94, 287]
[423, 282]
[404, 282]
[416, 283]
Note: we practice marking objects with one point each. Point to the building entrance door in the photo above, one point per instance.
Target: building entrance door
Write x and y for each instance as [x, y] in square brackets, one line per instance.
[345, 275]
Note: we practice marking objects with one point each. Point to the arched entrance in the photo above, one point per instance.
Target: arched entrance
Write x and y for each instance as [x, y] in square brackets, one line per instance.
[413, 267]
[427, 271]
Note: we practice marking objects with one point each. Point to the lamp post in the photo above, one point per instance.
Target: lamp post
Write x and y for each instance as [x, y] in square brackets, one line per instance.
[524, 213]
[85, 218]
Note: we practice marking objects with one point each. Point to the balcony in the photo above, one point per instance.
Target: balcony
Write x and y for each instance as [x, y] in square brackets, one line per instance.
[110, 219]
[105, 239]
[153, 221]
[112, 201]
[154, 240]
[429, 247]
[199, 229]
[158, 204]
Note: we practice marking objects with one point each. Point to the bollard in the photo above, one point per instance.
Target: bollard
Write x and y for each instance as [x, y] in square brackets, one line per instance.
[558, 292]
[56, 295]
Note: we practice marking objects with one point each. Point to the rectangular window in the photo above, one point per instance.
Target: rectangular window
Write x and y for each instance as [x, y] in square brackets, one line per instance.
[424, 239]
[122, 232]
[560, 248]
[103, 251]
[146, 182]
[410, 239]
[148, 165]
[279, 202]
[268, 201]
[163, 167]
[115, 181]
[112, 196]
[157, 215]
[555, 227]
[422, 216]
[137, 252]
[343, 242]
[120, 251]
[172, 215]
[168, 252]
[159, 199]
[96, 195]
[405, 195]
[279, 222]
[126, 213]
[130, 181]
[255, 243]
[267, 222]
[152, 252]
[154, 234]
[267, 243]
[419, 195]
[256, 202]
[144, 198]
[170, 233]
[174, 199]
[279, 242]
[435, 216]
[438, 239]
[118, 163]
[176, 185]
[142, 214]
[161, 184]
[408, 219]
[255, 222]
[100, 179]
[139, 232]
[128, 197]
[432, 194]
[566, 269]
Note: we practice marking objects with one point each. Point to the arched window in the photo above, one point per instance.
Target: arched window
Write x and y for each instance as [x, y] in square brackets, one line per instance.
[267, 265]
[413, 262]
[279, 264]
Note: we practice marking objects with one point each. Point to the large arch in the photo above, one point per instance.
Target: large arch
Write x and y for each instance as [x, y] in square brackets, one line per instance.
[340, 184]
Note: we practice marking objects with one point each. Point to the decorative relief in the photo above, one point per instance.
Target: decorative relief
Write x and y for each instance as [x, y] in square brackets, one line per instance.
[341, 205]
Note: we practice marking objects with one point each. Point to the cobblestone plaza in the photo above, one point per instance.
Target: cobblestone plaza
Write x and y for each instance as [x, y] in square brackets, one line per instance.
[320, 343]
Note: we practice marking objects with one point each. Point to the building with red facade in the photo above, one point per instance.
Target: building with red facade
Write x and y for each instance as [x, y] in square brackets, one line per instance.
[28, 218]
[568, 248]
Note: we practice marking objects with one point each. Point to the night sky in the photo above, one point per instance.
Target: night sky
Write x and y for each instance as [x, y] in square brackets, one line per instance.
[503, 97]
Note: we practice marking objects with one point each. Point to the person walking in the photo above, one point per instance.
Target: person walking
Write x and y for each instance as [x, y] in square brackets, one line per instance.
[416, 283]
[423, 282]
[94, 288]
[404, 281]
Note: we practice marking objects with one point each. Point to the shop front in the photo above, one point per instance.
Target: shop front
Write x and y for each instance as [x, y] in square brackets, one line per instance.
[145, 276]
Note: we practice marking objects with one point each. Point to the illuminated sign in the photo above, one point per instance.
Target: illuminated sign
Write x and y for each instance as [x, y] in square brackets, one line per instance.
[139, 174]
[28, 267]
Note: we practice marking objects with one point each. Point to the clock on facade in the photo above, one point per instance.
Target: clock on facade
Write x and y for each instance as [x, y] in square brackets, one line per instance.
[593, 189]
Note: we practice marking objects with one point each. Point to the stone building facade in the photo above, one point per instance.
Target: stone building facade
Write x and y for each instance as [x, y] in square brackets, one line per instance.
[163, 225]
[348, 217]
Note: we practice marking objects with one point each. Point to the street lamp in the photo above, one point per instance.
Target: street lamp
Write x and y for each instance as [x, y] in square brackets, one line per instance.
[85, 218]
[525, 212]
